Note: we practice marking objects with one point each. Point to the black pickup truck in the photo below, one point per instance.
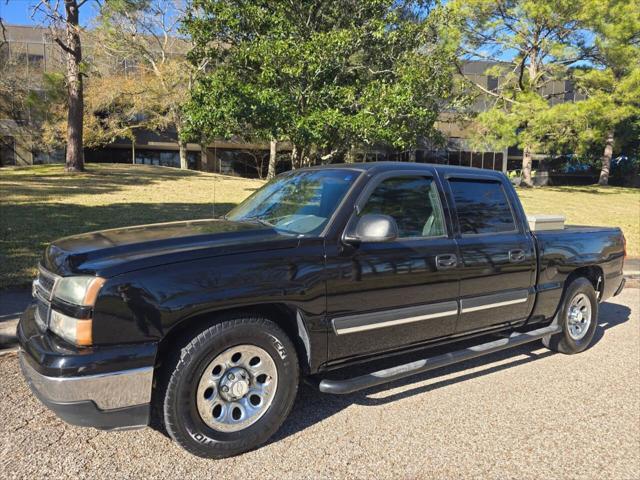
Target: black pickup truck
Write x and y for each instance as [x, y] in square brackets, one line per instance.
[209, 325]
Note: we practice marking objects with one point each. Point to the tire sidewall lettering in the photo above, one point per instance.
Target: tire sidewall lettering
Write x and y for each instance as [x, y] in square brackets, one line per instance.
[192, 425]
[279, 347]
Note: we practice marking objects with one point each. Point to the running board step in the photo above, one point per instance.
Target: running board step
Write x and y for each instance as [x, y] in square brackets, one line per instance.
[341, 387]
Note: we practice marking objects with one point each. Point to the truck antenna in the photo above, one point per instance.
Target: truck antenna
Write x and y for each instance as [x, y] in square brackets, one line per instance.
[215, 156]
[214, 197]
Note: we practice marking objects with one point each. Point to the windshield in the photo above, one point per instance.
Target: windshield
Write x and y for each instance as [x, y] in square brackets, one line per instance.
[298, 202]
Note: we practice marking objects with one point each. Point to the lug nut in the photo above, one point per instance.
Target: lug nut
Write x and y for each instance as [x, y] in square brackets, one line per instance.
[225, 389]
[231, 376]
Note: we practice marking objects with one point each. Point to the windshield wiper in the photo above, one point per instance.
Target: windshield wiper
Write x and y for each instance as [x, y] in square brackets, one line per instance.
[260, 221]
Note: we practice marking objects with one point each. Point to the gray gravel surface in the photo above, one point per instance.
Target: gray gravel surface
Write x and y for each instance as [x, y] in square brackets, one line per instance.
[524, 413]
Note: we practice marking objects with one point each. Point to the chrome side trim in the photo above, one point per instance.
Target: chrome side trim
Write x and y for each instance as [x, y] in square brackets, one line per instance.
[494, 305]
[119, 389]
[400, 321]
[388, 318]
[493, 301]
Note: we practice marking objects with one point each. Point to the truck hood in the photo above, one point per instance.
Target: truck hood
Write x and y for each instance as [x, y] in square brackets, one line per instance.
[111, 252]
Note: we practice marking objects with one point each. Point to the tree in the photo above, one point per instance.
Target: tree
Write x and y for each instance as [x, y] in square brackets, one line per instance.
[614, 85]
[64, 23]
[326, 76]
[15, 94]
[589, 126]
[29, 100]
[532, 42]
[146, 34]
[112, 109]
[611, 83]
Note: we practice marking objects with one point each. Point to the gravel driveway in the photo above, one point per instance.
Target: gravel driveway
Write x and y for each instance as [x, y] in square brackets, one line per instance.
[523, 413]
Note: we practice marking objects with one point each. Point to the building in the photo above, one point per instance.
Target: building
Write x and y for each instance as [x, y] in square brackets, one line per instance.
[31, 52]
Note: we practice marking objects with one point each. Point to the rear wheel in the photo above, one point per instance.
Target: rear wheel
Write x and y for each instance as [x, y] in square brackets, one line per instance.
[578, 317]
[231, 387]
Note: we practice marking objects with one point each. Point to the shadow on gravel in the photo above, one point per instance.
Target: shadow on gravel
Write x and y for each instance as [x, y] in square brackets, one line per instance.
[312, 407]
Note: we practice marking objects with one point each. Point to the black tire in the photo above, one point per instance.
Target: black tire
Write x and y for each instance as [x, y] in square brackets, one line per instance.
[563, 342]
[183, 372]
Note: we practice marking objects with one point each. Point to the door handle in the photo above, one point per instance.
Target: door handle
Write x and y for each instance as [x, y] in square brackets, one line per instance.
[444, 262]
[516, 256]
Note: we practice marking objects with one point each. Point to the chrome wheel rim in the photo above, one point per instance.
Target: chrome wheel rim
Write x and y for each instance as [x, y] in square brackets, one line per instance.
[579, 316]
[237, 388]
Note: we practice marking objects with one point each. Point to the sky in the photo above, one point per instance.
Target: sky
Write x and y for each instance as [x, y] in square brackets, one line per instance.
[18, 12]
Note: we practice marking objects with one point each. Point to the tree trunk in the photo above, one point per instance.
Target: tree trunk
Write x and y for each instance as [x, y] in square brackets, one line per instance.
[294, 157]
[182, 145]
[350, 157]
[133, 149]
[526, 167]
[74, 161]
[606, 159]
[273, 156]
[302, 158]
[204, 159]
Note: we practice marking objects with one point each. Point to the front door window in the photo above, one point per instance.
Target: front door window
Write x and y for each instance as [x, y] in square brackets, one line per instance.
[412, 202]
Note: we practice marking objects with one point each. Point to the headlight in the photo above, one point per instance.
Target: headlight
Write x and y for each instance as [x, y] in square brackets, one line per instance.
[73, 330]
[81, 290]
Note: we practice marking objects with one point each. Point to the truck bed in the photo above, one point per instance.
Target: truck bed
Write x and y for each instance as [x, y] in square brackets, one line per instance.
[599, 251]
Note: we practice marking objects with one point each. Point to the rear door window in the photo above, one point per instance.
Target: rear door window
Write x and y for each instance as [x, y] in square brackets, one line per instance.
[482, 207]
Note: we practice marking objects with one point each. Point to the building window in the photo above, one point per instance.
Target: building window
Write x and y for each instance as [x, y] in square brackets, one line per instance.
[165, 158]
[476, 159]
[465, 159]
[36, 63]
[454, 157]
[487, 160]
[569, 91]
[492, 83]
[7, 151]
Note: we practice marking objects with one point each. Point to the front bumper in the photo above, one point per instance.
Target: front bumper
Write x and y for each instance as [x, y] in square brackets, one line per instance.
[106, 401]
[99, 387]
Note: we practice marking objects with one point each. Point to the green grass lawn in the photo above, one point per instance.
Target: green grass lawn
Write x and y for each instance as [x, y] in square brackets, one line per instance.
[590, 205]
[42, 203]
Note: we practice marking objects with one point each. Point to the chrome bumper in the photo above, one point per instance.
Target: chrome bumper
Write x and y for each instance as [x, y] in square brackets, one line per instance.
[108, 391]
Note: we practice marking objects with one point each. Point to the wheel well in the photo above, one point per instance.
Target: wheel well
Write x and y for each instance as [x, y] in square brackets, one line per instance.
[592, 273]
[283, 315]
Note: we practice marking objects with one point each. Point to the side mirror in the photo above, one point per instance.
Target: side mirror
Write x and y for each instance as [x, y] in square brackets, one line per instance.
[373, 228]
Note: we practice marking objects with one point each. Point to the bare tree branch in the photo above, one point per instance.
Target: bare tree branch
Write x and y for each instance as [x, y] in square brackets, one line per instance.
[482, 88]
[63, 45]
[3, 31]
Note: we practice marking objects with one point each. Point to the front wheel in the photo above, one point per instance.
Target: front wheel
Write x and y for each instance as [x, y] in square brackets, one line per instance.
[231, 387]
[578, 316]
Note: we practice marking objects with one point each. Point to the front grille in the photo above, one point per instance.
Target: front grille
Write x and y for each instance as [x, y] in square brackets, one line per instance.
[45, 282]
[42, 313]
[43, 287]
[42, 309]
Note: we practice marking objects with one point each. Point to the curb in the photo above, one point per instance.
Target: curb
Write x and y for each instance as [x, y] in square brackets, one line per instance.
[7, 352]
[8, 338]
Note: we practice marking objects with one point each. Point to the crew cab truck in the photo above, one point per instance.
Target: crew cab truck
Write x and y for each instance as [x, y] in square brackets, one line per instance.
[210, 325]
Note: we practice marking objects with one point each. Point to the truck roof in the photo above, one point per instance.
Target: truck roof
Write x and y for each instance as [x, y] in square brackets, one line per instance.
[379, 167]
